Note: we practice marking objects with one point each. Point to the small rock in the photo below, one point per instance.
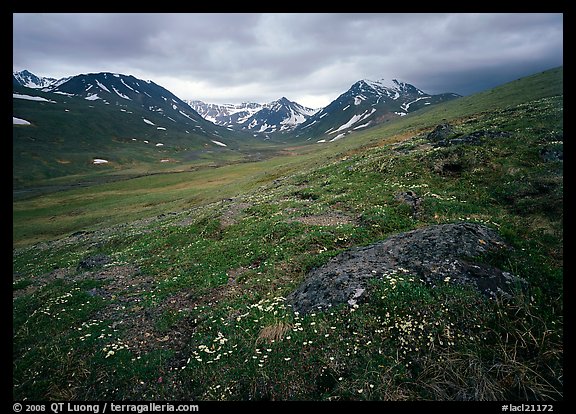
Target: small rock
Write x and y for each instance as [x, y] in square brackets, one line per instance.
[552, 153]
[92, 262]
[474, 138]
[97, 292]
[80, 233]
[412, 199]
[441, 132]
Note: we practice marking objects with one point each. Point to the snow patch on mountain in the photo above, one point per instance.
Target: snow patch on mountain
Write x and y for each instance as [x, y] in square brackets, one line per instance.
[56, 84]
[354, 119]
[128, 86]
[120, 94]
[407, 105]
[31, 98]
[362, 126]
[337, 137]
[310, 124]
[19, 121]
[382, 83]
[102, 86]
[187, 116]
[293, 119]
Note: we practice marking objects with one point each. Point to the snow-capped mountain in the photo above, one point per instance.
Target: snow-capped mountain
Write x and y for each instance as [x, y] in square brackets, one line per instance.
[28, 79]
[366, 103]
[282, 115]
[226, 114]
[123, 90]
[112, 121]
[110, 109]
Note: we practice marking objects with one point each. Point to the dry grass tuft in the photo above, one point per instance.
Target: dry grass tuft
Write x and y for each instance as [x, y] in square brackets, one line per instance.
[273, 332]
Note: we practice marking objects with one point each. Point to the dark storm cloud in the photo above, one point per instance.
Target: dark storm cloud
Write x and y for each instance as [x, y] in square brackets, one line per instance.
[260, 57]
[167, 42]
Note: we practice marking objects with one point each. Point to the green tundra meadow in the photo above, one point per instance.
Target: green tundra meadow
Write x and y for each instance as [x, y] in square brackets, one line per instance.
[184, 298]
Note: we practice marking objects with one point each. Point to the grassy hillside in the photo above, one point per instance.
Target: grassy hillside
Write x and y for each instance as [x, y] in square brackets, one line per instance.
[68, 132]
[172, 286]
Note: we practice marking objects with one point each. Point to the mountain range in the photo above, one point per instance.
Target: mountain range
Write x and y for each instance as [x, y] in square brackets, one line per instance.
[62, 128]
[365, 104]
[154, 105]
[282, 115]
[68, 123]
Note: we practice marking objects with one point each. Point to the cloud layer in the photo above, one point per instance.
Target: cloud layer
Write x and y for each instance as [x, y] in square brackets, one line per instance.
[310, 58]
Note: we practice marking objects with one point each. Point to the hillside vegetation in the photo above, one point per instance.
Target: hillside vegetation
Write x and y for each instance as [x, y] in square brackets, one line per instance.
[67, 132]
[172, 286]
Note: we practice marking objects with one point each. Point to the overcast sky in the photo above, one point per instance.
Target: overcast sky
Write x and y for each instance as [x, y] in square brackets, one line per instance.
[308, 58]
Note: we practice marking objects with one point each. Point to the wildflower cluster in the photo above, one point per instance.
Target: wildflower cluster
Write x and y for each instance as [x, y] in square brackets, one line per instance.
[212, 352]
[112, 348]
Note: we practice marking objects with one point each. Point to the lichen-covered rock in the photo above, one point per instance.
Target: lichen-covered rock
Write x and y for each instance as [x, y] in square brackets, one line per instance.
[92, 262]
[474, 138]
[412, 199]
[441, 132]
[436, 254]
[553, 152]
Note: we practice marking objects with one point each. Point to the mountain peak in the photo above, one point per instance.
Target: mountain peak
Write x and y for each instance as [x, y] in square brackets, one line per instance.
[366, 103]
[127, 91]
[30, 80]
[383, 83]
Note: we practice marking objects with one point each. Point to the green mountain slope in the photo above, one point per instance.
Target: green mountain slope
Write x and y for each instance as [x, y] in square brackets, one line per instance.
[71, 127]
[173, 286]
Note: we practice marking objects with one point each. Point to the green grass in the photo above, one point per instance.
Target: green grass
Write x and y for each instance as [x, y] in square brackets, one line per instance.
[191, 305]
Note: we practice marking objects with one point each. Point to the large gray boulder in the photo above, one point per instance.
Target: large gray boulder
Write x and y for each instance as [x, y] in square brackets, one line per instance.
[436, 254]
